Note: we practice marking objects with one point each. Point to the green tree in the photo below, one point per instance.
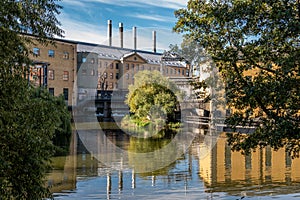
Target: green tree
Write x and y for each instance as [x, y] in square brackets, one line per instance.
[29, 116]
[196, 56]
[262, 37]
[152, 96]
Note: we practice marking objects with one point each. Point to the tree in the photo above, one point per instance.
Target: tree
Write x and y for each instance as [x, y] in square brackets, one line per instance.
[196, 56]
[32, 17]
[29, 116]
[255, 45]
[152, 96]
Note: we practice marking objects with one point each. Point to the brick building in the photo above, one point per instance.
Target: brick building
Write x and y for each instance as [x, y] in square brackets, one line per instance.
[54, 66]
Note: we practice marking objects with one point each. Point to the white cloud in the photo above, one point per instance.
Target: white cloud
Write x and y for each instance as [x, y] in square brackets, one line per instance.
[159, 18]
[172, 4]
[91, 33]
[82, 31]
[85, 31]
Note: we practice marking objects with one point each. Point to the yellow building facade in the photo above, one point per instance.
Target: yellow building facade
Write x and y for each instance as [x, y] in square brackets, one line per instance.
[224, 168]
[54, 66]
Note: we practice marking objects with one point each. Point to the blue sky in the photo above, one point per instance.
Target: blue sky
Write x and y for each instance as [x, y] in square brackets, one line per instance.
[86, 20]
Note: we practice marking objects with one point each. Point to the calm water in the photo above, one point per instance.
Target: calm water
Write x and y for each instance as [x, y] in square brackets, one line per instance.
[206, 169]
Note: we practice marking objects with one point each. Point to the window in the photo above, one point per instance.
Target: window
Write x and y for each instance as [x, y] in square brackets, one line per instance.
[83, 71]
[99, 74]
[117, 75]
[137, 67]
[132, 66]
[100, 64]
[66, 76]
[51, 74]
[183, 72]
[51, 91]
[105, 64]
[92, 72]
[51, 53]
[143, 67]
[117, 65]
[127, 66]
[111, 65]
[83, 60]
[111, 85]
[116, 85]
[127, 76]
[36, 51]
[167, 70]
[92, 60]
[105, 75]
[111, 75]
[178, 71]
[66, 55]
[66, 94]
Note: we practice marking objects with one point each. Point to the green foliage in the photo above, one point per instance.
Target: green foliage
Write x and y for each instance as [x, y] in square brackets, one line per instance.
[258, 36]
[62, 136]
[29, 117]
[32, 17]
[152, 96]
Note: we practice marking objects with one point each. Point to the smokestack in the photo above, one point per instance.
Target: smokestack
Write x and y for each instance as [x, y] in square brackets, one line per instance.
[109, 32]
[154, 41]
[121, 34]
[134, 37]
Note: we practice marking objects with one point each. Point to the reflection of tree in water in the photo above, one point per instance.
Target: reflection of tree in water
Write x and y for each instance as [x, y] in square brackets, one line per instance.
[152, 154]
[141, 145]
[118, 137]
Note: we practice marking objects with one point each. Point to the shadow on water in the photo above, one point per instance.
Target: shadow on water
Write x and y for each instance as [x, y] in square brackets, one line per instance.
[199, 173]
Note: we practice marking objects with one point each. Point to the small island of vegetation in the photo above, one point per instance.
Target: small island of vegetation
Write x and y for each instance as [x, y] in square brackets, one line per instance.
[153, 101]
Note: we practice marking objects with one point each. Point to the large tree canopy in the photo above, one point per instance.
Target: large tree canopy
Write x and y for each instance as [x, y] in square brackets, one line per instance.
[255, 45]
[32, 17]
[152, 96]
[29, 117]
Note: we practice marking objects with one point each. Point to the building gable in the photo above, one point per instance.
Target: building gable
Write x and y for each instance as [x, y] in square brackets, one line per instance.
[133, 57]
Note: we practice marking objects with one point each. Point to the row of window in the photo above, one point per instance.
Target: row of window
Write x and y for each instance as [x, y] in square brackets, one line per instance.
[51, 53]
[172, 71]
[106, 85]
[105, 64]
[65, 93]
[133, 66]
[51, 75]
[111, 75]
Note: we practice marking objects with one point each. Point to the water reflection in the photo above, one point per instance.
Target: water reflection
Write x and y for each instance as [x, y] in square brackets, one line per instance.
[263, 172]
[199, 173]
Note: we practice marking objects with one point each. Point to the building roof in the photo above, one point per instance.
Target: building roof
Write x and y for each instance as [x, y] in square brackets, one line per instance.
[117, 53]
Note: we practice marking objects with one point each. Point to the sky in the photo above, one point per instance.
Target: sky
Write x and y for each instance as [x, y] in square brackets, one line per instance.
[86, 21]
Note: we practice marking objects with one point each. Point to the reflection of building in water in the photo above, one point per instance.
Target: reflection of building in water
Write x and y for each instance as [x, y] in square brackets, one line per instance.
[225, 169]
[64, 173]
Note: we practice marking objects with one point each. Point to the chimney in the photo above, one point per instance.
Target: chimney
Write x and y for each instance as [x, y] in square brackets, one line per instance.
[134, 37]
[109, 32]
[154, 41]
[121, 34]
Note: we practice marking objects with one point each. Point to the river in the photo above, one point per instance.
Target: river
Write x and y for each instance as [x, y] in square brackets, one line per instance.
[204, 169]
